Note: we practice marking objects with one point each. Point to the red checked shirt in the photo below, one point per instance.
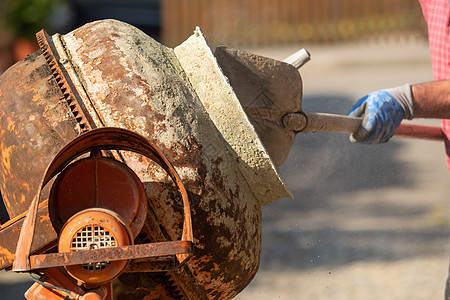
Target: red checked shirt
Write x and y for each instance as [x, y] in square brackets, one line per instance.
[437, 16]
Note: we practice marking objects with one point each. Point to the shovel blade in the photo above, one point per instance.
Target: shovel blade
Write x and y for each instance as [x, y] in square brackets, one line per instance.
[267, 89]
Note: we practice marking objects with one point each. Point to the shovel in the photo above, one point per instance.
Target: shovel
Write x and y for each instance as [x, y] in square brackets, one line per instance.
[270, 91]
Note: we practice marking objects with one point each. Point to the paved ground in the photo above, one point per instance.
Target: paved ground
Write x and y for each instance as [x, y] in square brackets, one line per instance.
[367, 222]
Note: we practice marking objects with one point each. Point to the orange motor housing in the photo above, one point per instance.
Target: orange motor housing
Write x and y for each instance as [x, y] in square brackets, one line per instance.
[102, 182]
[96, 203]
[93, 229]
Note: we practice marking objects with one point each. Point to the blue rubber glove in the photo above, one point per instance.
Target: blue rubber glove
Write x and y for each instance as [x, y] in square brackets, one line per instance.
[382, 112]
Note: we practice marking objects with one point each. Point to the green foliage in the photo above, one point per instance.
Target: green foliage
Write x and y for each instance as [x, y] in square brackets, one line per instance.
[26, 17]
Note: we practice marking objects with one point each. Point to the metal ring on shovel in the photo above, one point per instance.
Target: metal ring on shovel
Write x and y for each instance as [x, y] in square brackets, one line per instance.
[105, 138]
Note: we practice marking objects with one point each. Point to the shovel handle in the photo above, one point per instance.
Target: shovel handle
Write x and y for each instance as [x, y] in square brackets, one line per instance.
[306, 122]
[420, 131]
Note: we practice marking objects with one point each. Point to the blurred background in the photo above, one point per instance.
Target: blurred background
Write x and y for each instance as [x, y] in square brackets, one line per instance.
[367, 222]
[235, 23]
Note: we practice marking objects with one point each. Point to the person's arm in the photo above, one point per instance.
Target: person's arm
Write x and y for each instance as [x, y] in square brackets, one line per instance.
[432, 99]
[383, 111]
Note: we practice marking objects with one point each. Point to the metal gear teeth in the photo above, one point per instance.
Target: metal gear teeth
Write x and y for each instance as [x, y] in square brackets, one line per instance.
[170, 287]
[43, 41]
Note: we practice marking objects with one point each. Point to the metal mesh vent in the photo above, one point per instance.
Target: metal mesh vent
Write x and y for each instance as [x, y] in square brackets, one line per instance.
[93, 237]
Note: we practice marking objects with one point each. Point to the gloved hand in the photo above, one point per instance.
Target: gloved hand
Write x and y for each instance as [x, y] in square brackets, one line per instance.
[382, 112]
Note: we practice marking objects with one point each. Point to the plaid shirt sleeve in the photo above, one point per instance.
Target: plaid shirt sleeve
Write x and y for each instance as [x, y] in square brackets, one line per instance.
[437, 16]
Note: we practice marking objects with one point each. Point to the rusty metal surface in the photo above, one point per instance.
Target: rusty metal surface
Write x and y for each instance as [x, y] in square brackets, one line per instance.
[44, 237]
[110, 254]
[101, 138]
[71, 95]
[136, 83]
[35, 122]
[160, 264]
[161, 285]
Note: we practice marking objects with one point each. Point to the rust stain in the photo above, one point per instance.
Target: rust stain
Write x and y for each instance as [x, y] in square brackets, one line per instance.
[6, 157]
[44, 219]
[5, 255]
[34, 125]
[26, 186]
[36, 98]
[9, 235]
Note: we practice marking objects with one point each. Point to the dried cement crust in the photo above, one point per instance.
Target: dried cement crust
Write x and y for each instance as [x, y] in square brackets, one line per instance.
[226, 112]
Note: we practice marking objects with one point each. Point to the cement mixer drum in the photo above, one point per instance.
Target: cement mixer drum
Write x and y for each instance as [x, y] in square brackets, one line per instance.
[110, 74]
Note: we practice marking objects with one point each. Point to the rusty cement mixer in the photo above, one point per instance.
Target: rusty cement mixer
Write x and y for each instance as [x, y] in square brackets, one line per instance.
[120, 163]
[131, 170]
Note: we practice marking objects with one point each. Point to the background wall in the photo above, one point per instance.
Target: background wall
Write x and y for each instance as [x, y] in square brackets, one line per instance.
[264, 22]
